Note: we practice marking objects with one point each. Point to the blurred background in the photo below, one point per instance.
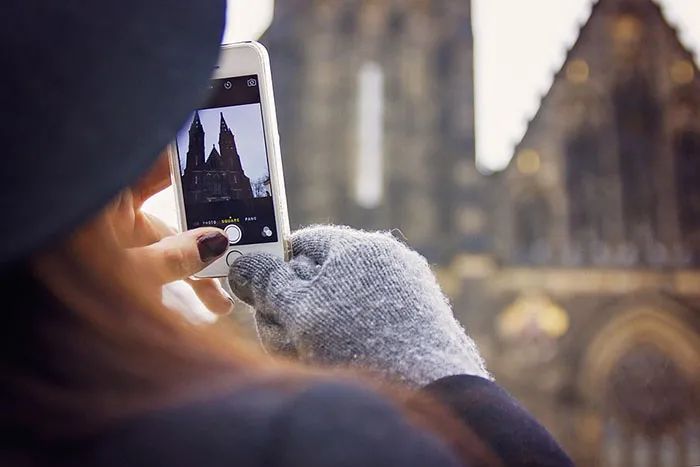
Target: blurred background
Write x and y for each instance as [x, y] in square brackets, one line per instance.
[545, 157]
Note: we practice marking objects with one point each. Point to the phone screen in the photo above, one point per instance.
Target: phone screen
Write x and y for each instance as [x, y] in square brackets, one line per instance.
[224, 167]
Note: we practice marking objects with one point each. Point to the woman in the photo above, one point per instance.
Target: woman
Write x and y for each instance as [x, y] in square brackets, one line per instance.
[97, 372]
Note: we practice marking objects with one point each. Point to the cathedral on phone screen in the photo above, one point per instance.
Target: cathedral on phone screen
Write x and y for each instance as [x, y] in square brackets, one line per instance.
[224, 166]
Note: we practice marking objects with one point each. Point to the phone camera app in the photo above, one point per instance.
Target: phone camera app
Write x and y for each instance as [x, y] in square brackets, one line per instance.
[224, 170]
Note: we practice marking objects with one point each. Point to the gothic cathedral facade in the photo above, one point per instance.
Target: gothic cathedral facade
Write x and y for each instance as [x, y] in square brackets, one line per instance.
[576, 269]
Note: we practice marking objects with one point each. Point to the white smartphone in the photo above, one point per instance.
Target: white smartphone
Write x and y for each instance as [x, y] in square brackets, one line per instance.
[226, 164]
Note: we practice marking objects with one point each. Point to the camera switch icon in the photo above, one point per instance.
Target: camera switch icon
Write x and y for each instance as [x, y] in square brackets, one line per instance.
[252, 82]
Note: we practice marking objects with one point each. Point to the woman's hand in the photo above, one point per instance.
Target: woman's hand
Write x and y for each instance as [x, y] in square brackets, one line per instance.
[356, 298]
[176, 256]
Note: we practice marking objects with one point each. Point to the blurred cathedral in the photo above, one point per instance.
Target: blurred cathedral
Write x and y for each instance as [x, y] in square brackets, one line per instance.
[577, 269]
[376, 114]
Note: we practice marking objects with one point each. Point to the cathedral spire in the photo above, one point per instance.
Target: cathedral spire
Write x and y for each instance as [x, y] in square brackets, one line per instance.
[195, 152]
[227, 146]
[223, 124]
[196, 122]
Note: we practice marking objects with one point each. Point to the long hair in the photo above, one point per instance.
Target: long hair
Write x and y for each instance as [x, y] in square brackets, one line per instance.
[86, 342]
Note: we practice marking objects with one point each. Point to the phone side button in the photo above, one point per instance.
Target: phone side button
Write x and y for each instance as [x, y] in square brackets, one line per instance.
[231, 257]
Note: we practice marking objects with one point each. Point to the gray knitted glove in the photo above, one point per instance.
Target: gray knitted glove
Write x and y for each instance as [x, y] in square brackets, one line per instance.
[356, 298]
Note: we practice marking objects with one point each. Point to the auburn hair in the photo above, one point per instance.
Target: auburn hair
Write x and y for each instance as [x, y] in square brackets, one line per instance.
[87, 342]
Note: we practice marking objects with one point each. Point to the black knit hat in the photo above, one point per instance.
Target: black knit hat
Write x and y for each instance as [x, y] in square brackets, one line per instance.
[91, 91]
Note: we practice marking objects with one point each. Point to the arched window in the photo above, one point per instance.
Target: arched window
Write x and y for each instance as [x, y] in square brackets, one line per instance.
[686, 147]
[583, 172]
[640, 379]
[369, 165]
[649, 412]
[638, 120]
[531, 231]
[217, 188]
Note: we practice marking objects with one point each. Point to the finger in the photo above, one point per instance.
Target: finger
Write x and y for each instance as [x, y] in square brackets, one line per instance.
[305, 267]
[157, 179]
[254, 278]
[182, 255]
[212, 295]
[151, 228]
[315, 242]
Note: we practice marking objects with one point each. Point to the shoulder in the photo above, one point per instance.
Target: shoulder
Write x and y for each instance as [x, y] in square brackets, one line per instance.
[326, 423]
[500, 421]
[346, 425]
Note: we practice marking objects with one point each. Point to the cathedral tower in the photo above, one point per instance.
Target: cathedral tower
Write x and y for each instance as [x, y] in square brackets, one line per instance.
[227, 146]
[375, 107]
[195, 152]
[597, 289]
[608, 172]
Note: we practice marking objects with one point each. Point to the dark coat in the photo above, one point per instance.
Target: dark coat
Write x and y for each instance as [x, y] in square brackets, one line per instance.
[327, 424]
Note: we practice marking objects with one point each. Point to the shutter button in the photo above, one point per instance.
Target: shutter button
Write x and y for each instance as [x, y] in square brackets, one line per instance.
[233, 232]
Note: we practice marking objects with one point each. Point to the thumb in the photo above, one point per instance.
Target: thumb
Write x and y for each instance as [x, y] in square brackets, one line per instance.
[182, 255]
[253, 276]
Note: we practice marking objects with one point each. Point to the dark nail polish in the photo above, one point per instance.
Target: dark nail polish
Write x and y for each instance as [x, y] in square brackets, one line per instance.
[211, 245]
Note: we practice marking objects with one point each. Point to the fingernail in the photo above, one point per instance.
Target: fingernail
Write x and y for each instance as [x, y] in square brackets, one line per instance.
[211, 245]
